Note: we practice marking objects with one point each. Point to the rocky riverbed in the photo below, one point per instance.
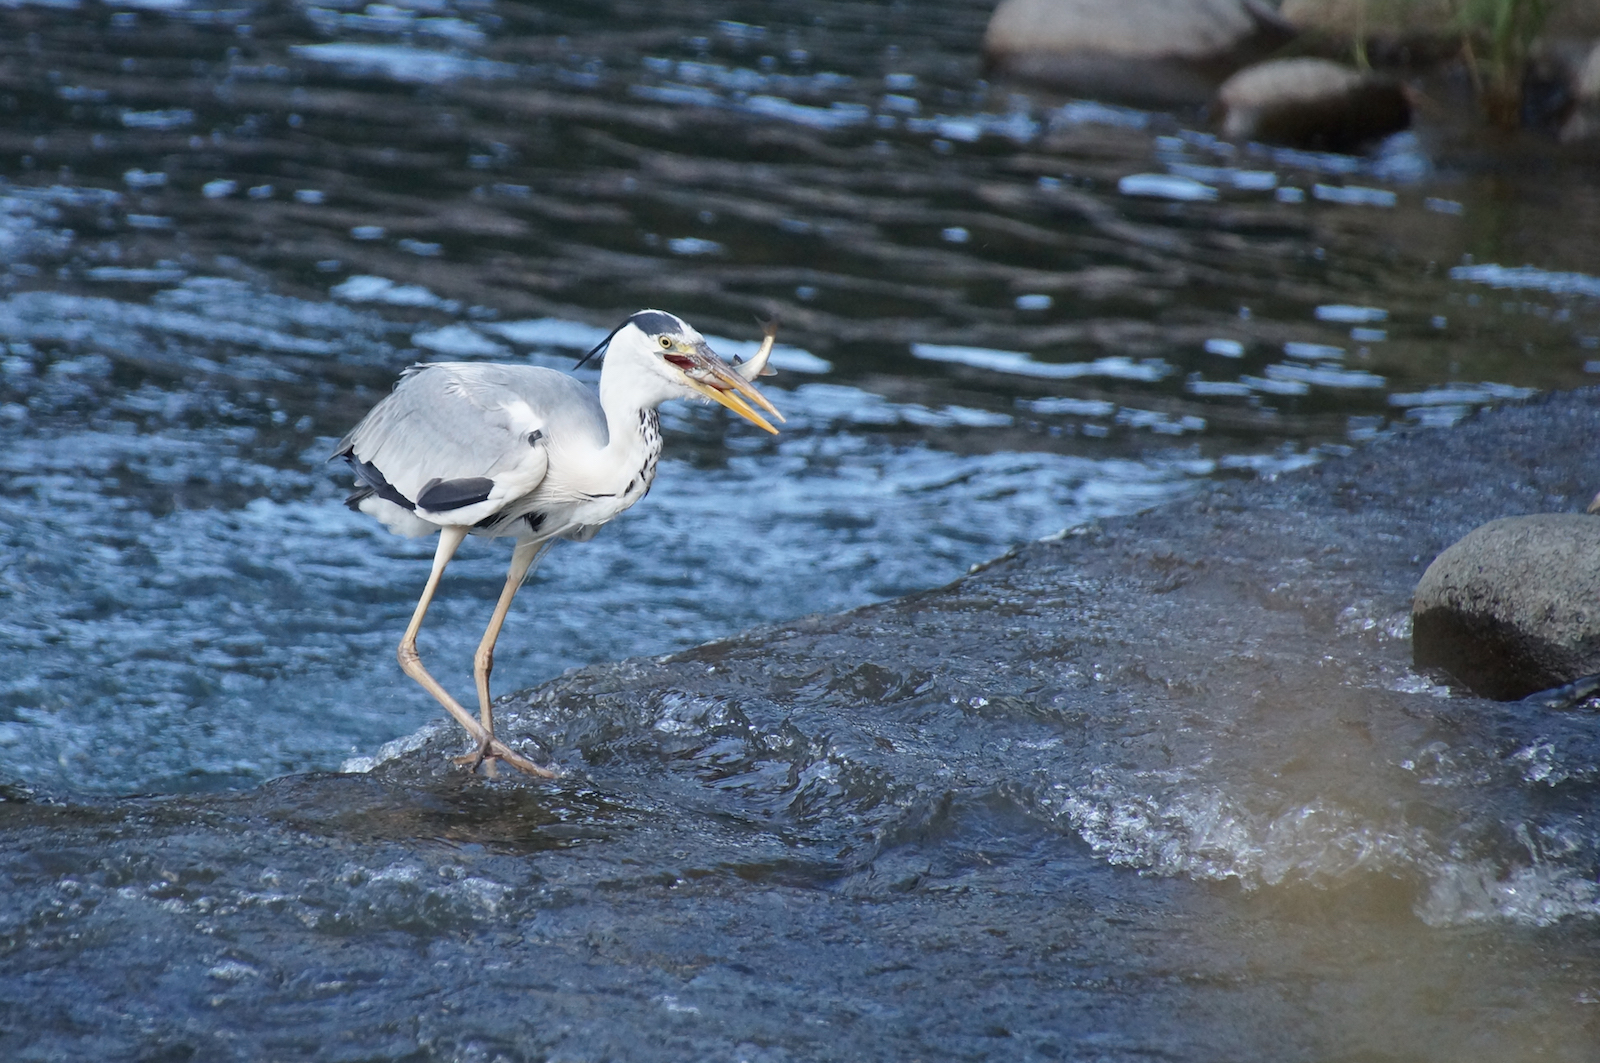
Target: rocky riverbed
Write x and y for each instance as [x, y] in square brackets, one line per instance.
[1164, 785]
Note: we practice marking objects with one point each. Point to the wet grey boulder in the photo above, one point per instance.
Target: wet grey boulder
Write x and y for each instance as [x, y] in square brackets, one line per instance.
[1513, 608]
[1147, 52]
[1311, 103]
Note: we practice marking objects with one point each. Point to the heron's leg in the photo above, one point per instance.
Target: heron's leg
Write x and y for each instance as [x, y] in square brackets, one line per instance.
[450, 538]
[522, 559]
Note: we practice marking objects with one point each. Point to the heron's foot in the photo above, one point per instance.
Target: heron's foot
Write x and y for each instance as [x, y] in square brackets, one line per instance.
[480, 757]
[490, 750]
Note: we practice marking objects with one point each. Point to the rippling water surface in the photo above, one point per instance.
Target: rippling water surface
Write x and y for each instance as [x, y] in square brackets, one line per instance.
[225, 228]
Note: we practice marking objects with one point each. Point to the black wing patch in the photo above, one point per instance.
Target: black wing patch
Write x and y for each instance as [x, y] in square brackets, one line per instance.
[373, 483]
[441, 496]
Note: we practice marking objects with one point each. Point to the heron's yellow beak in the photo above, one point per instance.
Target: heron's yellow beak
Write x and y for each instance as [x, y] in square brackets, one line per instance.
[717, 381]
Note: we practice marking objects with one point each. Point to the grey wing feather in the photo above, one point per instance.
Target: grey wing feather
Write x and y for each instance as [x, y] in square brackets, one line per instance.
[451, 421]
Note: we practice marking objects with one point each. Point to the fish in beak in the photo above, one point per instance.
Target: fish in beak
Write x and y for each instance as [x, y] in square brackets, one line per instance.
[722, 383]
[757, 365]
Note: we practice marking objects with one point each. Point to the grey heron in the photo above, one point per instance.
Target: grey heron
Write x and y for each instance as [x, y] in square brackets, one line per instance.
[529, 453]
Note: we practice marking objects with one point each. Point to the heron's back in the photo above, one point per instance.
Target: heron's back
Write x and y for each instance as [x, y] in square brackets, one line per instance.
[458, 413]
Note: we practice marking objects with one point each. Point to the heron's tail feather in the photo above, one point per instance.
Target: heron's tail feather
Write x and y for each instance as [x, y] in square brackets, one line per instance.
[359, 495]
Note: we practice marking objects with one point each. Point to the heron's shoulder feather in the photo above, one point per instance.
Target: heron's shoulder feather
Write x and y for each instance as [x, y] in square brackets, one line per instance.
[529, 396]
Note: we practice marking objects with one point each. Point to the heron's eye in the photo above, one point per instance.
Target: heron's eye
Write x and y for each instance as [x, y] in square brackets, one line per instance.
[666, 344]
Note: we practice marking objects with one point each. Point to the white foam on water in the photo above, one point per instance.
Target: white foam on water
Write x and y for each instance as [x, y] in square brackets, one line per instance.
[1268, 386]
[1196, 385]
[694, 245]
[1350, 315]
[77, 320]
[137, 178]
[1312, 352]
[1412, 683]
[1461, 394]
[134, 275]
[396, 748]
[1529, 277]
[837, 116]
[1017, 126]
[1166, 186]
[1069, 405]
[460, 341]
[363, 288]
[1245, 180]
[1438, 416]
[549, 332]
[1325, 376]
[683, 95]
[175, 118]
[1092, 112]
[1461, 893]
[1206, 834]
[816, 406]
[1159, 422]
[1354, 195]
[1020, 364]
[402, 62]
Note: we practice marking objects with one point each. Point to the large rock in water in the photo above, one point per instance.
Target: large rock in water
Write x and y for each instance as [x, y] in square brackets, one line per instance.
[1311, 103]
[1513, 607]
[1147, 52]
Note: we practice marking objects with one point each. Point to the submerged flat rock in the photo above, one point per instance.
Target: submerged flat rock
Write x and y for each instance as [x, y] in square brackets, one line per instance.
[911, 830]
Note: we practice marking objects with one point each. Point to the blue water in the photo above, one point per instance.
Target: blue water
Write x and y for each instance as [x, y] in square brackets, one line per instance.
[1003, 315]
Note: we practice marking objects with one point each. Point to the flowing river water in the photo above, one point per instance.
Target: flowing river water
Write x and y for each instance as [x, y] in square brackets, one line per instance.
[225, 228]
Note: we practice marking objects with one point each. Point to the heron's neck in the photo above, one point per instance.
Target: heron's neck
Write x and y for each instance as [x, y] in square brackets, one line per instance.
[632, 423]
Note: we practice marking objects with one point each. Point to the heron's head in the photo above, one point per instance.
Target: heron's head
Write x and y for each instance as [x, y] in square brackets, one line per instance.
[664, 348]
